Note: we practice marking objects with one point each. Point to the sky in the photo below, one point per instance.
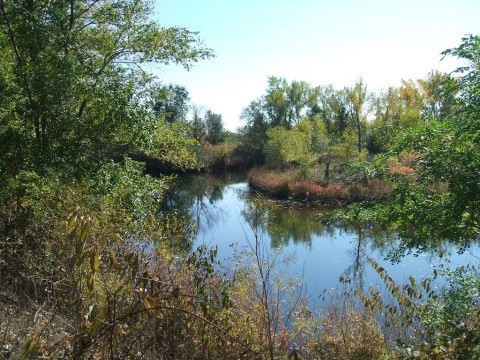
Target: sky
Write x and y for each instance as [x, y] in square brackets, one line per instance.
[318, 41]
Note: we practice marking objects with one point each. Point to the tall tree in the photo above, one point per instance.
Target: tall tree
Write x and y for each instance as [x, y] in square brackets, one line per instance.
[338, 102]
[298, 95]
[257, 124]
[72, 77]
[448, 150]
[357, 97]
[214, 127]
[276, 103]
[197, 124]
[413, 98]
[320, 103]
[439, 95]
[388, 108]
[172, 101]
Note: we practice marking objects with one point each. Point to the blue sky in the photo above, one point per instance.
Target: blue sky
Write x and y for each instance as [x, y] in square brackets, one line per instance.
[321, 42]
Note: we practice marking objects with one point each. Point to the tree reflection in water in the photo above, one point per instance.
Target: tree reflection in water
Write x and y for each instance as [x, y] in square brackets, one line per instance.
[222, 207]
[194, 196]
[285, 223]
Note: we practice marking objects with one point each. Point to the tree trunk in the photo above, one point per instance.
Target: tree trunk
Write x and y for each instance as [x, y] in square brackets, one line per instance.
[327, 171]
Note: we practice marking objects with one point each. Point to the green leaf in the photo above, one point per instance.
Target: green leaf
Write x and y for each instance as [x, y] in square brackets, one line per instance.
[84, 232]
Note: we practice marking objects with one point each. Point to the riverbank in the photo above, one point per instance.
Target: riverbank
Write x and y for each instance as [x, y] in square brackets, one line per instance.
[286, 185]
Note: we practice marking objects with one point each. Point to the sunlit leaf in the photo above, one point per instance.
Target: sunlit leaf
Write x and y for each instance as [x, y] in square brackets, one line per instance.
[95, 261]
[90, 281]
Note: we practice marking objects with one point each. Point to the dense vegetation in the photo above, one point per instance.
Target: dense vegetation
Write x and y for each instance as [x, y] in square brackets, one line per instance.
[91, 266]
[327, 136]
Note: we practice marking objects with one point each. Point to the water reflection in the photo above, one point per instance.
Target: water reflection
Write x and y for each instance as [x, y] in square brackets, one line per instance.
[226, 212]
[195, 196]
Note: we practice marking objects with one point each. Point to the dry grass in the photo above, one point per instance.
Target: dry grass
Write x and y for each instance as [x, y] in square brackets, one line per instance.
[286, 185]
[401, 170]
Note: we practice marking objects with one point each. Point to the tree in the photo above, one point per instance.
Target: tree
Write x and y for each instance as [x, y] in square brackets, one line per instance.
[357, 100]
[214, 127]
[276, 103]
[439, 95]
[388, 109]
[284, 103]
[412, 98]
[338, 103]
[257, 124]
[468, 82]
[171, 101]
[72, 82]
[321, 104]
[197, 124]
[290, 147]
[447, 151]
[298, 95]
[320, 138]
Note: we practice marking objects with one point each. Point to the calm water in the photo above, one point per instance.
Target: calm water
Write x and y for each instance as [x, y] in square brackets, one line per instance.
[223, 209]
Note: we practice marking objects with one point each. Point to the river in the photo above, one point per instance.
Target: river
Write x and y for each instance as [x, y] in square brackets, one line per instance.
[223, 208]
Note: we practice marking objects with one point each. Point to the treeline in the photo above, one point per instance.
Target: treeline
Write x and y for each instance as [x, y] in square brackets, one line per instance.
[299, 124]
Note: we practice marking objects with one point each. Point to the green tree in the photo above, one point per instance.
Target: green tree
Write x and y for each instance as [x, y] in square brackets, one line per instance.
[276, 102]
[446, 151]
[257, 124]
[172, 101]
[320, 138]
[298, 96]
[290, 147]
[439, 90]
[321, 104]
[214, 127]
[413, 98]
[338, 102]
[197, 124]
[388, 109]
[72, 81]
[358, 103]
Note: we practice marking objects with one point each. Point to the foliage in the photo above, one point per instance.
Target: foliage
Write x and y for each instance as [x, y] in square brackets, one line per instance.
[85, 245]
[72, 81]
[255, 131]
[214, 128]
[171, 101]
[350, 334]
[287, 185]
[434, 171]
[115, 297]
[197, 125]
[427, 321]
[230, 156]
[174, 144]
[358, 98]
[288, 147]
[451, 320]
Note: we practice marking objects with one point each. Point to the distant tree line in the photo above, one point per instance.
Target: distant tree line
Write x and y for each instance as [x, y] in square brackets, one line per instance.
[297, 123]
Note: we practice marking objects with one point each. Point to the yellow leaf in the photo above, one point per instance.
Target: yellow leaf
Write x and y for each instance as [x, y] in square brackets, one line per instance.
[90, 281]
[149, 302]
[71, 227]
[84, 232]
[112, 260]
[95, 261]
[31, 344]
[24, 201]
